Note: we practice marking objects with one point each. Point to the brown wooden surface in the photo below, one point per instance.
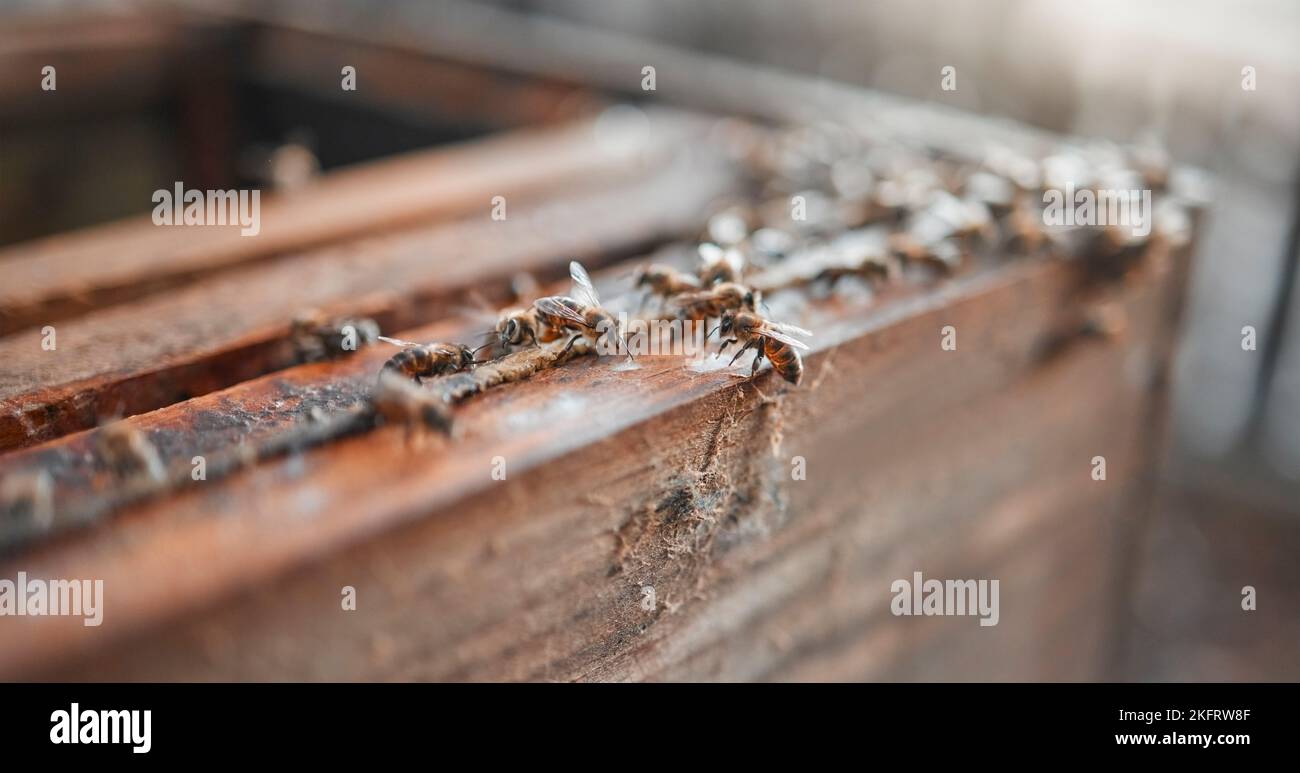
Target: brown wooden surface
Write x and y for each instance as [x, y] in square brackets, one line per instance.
[670, 477]
[231, 427]
[973, 463]
[126, 360]
[119, 60]
[51, 279]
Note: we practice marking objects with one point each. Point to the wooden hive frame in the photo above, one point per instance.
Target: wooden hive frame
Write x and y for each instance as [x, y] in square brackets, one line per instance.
[973, 462]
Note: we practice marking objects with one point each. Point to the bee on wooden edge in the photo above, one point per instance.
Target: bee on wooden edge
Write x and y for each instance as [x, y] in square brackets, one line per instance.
[317, 337]
[400, 400]
[772, 340]
[127, 452]
[582, 314]
[421, 361]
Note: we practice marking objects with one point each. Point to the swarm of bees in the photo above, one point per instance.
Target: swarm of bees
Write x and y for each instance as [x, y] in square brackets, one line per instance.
[827, 206]
[717, 292]
[714, 292]
[547, 319]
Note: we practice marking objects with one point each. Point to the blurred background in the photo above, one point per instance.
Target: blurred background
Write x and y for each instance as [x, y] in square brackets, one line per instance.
[1229, 498]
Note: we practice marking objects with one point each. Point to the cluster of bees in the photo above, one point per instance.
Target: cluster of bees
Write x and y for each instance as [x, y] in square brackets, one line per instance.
[712, 293]
[824, 204]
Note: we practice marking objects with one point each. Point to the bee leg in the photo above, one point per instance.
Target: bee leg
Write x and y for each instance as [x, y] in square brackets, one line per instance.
[570, 344]
[725, 344]
[743, 349]
[758, 359]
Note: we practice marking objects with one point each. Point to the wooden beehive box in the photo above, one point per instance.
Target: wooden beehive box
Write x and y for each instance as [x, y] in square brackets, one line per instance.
[974, 461]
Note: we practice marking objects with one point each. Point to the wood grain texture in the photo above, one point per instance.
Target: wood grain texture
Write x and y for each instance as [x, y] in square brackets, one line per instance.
[972, 463]
[123, 361]
[104, 60]
[672, 478]
[58, 277]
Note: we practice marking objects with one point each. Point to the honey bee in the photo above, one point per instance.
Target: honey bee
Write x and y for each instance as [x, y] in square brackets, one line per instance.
[128, 453]
[523, 326]
[396, 399]
[26, 504]
[720, 265]
[944, 254]
[772, 340]
[940, 233]
[869, 269]
[666, 281]
[715, 301]
[420, 361]
[581, 313]
[317, 337]
[1024, 227]
[863, 254]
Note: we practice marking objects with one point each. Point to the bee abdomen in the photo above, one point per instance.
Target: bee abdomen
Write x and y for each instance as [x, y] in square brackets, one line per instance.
[411, 362]
[786, 361]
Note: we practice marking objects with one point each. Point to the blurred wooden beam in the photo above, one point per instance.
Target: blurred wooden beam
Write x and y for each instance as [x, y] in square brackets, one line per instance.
[61, 276]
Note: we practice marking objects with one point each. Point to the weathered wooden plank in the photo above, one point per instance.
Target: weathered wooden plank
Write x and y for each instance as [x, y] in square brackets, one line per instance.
[839, 628]
[661, 475]
[121, 59]
[413, 83]
[929, 501]
[620, 479]
[228, 329]
[51, 279]
[230, 428]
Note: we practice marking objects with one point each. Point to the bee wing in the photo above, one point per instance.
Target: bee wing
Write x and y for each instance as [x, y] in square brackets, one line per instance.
[553, 306]
[398, 342]
[791, 329]
[583, 291]
[692, 298]
[780, 335]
